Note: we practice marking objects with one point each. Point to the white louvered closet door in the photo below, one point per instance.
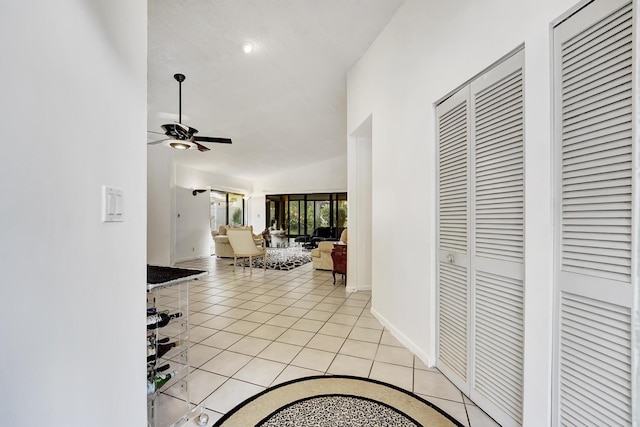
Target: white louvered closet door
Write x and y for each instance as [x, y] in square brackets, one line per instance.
[594, 150]
[481, 222]
[453, 238]
[497, 254]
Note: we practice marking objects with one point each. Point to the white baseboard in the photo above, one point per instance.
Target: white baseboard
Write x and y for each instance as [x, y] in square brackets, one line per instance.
[404, 340]
[352, 289]
[193, 258]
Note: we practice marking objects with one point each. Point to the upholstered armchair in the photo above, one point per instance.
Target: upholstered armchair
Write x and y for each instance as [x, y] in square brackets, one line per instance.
[243, 244]
[321, 255]
[222, 247]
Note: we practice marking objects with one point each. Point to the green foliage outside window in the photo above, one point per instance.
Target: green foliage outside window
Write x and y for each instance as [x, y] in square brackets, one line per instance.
[237, 217]
[342, 214]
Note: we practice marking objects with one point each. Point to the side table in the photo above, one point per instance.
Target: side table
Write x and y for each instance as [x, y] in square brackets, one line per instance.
[339, 258]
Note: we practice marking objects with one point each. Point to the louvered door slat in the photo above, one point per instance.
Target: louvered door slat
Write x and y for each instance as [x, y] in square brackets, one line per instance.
[508, 171]
[502, 128]
[608, 81]
[576, 185]
[595, 101]
[506, 114]
[591, 107]
[590, 71]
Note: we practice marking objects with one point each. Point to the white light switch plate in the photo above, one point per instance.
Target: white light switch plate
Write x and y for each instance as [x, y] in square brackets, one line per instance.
[112, 206]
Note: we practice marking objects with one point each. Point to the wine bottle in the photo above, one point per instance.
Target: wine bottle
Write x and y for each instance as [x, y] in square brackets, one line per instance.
[159, 320]
[155, 352]
[163, 368]
[152, 371]
[159, 381]
[152, 340]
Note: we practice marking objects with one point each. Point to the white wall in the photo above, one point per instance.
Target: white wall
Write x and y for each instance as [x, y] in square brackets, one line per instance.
[161, 230]
[359, 256]
[194, 178]
[256, 214]
[426, 51]
[328, 176]
[193, 226]
[73, 287]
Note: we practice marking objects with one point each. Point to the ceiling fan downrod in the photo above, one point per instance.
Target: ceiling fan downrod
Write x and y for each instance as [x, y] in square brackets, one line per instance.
[180, 78]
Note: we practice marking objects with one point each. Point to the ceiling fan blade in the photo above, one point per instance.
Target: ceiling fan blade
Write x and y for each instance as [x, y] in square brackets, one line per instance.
[201, 147]
[159, 133]
[212, 139]
[156, 142]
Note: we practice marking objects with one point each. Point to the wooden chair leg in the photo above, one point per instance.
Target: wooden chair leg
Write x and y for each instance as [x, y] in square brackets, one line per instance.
[235, 261]
[334, 277]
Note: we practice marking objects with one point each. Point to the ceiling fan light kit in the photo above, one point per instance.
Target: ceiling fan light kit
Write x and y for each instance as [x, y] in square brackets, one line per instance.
[179, 145]
[182, 137]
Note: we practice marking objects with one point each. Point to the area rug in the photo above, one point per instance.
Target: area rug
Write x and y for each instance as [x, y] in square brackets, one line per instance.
[336, 400]
[281, 259]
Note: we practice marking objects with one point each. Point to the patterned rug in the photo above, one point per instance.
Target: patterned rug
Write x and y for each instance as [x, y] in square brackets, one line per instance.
[336, 400]
[281, 259]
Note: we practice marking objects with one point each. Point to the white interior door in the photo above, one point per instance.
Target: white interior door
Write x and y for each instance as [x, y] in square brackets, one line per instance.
[480, 239]
[453, 238]
[497, 244]
[593, 76]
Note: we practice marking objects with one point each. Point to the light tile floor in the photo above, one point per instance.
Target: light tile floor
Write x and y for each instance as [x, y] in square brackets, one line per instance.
[250, 331]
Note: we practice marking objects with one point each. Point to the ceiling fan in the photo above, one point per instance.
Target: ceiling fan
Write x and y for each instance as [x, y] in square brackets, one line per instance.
[184, 137]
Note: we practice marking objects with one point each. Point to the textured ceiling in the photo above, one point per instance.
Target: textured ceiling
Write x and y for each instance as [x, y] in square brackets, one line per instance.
[284, 102]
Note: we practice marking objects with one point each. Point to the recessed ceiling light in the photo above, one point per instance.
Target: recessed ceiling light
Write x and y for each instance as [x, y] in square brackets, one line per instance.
[247, 47]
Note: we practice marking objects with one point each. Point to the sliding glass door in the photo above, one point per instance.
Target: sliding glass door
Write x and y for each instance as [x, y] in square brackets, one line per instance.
[218, 209]
[226, 208]
[236, 204]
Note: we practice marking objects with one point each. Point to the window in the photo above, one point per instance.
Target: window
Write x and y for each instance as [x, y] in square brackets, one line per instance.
[295, 219]
[301, 214]
[236, 204]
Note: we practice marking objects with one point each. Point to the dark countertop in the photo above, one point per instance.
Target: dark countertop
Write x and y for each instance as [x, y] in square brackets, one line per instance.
[158, 276]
